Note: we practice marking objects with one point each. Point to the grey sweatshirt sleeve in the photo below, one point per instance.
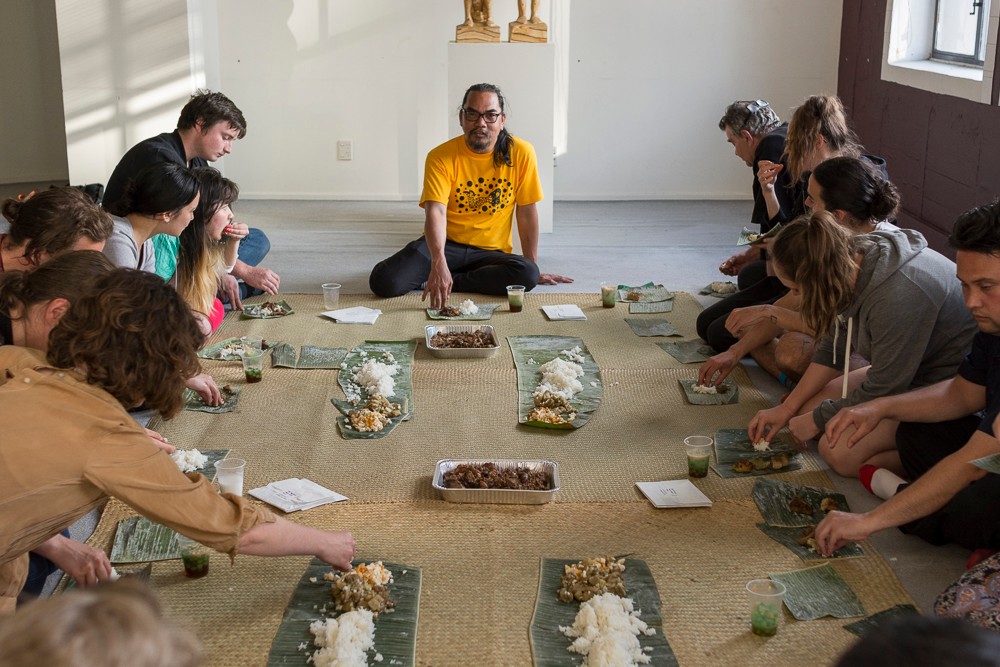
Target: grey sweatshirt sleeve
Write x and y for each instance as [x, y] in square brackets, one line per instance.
[900, 324]
[120, 248]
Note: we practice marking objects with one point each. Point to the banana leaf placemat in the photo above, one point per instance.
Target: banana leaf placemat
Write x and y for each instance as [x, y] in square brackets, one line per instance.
[395, 630]
[549, 645]
[818, 591]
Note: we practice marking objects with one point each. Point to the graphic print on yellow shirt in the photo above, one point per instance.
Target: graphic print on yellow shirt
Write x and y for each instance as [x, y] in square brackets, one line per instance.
[480, 197]
[484, 195]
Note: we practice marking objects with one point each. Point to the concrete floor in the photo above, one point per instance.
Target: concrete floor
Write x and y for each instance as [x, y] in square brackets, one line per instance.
[677, 243]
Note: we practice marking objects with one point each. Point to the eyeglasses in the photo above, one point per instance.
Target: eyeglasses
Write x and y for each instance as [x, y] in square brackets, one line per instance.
[757, 105]
[473, 116]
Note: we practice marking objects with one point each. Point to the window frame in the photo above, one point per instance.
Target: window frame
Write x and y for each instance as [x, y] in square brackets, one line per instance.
[961, 58]
[906, 51]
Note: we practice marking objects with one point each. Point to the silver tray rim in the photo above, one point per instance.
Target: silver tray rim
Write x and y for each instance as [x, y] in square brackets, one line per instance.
[497, 496]
[461, 352]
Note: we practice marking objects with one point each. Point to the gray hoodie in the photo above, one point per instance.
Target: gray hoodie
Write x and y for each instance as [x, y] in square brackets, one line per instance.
[909, 320]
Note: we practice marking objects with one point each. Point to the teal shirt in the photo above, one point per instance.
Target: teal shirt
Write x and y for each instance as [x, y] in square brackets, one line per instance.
[167, 248]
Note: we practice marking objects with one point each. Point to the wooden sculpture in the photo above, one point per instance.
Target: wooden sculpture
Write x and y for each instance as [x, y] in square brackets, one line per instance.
[478, 25]
[526, 29]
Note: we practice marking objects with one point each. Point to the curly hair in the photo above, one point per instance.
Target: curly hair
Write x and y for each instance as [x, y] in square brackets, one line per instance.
[53, 221]
[852, 185]
[211, 108]
[819, 116]
[817, 254]
[134, 337]
[68, 276]
[200, 258]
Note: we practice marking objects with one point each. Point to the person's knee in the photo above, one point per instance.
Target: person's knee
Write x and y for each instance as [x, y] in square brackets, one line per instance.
[528, 275]
[840, 459]
[384, 283]
[718, 337]
[792, 354]
[702, 323]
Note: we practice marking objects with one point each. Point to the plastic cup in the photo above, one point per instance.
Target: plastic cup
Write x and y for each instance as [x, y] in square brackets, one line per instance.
[331, 295]
[515, 297]
[699, 453]
[253, 364]
[766, 597]
[195, 557]
[609, 295]
[229, 475]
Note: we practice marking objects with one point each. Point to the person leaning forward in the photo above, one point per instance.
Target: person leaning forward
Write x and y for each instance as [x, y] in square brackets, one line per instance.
[474, 187]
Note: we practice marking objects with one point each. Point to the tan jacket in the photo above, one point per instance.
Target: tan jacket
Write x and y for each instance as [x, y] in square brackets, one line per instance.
[65, 446]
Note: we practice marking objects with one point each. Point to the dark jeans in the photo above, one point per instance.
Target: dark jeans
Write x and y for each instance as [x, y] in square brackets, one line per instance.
[472, 270]
[711, 323]
[972, 517]
[39, 570]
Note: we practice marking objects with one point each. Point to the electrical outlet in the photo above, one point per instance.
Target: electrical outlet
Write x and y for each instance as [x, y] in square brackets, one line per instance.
[345, 149]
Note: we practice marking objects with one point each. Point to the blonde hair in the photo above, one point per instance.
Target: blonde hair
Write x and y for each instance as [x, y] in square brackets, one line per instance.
[110, 625]
[200, 259]
[819, 116]
[817, 254]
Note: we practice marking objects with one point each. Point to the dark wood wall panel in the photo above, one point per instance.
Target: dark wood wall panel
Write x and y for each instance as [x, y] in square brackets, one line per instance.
[943, 152]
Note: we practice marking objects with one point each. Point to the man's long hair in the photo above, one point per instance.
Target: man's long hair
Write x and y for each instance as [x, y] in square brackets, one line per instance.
[501, 150]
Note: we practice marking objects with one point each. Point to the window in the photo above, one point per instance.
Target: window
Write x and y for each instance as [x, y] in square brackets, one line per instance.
[960, 34]
[943, 46]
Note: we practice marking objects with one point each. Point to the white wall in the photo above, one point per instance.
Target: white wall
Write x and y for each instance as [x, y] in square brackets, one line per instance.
[32, 143]
[640, 87]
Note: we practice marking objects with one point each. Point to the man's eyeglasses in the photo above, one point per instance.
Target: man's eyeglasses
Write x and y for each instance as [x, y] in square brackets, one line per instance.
[473, 116]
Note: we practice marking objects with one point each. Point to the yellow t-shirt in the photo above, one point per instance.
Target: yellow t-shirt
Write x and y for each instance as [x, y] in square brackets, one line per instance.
[480, 196]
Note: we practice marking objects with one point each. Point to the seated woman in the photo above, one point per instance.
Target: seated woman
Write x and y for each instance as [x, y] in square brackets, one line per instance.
[49, 223]
[885, 295]
[209, 246]
[69, 444]
[818, 131]
[160, 200]
[860, 200]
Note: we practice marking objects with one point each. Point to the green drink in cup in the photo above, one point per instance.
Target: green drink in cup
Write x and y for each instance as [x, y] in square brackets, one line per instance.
[515, 297]
[766, 597]
[699, 453]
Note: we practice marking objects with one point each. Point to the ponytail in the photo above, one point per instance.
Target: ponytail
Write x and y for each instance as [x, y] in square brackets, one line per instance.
[817, 254]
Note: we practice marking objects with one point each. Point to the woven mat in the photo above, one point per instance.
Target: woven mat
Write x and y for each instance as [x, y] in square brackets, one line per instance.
[481, 562]
[636, 435]
[480, 567]
[609, 338]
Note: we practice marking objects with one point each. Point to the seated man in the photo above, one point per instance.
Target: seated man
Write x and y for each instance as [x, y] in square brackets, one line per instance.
[757, 135]
[471, 186]
[208, 125]
[940, 428]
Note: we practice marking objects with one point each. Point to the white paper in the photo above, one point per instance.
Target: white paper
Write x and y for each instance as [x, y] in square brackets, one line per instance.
[674, 493]
[564, 312]
[292, 495]
[355, 315]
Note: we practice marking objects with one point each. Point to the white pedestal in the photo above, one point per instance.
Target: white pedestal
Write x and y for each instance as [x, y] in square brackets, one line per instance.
[526, 75]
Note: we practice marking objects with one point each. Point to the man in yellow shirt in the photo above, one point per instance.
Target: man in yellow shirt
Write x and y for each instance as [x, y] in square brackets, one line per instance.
[474, 187]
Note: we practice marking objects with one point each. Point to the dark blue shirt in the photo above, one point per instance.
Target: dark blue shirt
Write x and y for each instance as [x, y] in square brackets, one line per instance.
[982, 367]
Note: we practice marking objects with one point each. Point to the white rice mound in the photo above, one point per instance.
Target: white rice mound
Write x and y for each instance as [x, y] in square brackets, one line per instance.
[376, 377]
[468, 307]
[606, 631]
[703, 389]
[344, 640]
[189, 460]
[762, 445]
[560, 377]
